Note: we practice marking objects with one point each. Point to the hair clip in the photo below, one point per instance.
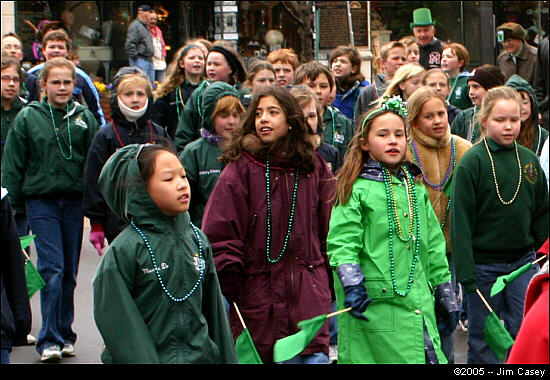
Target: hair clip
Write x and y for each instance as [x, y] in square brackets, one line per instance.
[141, 146]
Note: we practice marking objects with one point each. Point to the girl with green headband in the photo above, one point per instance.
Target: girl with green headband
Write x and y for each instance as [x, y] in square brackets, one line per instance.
[386, 249]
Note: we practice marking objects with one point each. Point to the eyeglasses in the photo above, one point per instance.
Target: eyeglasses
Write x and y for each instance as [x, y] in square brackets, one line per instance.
[8, 79]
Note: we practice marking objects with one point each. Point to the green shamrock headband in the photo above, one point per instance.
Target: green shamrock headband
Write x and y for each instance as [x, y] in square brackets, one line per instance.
[394, 104]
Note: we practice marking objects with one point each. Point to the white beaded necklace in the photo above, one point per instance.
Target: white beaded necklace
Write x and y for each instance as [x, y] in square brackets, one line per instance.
[506, 203]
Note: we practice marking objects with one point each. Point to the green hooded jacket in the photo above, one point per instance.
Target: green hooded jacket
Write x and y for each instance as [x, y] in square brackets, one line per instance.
[36, 160]
[541, 134]
[466, 125]
[200, 158]
[138, 320]
[338, 129]
[359, 234]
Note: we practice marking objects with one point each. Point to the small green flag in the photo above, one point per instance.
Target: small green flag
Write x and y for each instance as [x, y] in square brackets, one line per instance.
[290, 346]
[33, 278]
[496, 336]
[502, 281]
[246, 351]
[26, 240]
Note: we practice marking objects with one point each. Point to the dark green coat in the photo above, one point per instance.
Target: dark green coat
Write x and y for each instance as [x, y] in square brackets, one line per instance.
[8, 117]
[33, 164]
[466, 125]
[138, 321]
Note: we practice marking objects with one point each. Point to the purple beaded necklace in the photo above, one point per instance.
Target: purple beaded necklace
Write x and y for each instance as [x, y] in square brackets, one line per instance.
[452, 164]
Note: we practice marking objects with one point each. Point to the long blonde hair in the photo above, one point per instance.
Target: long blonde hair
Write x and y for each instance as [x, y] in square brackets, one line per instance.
[417, 101]
[491, 97]
[401, 75]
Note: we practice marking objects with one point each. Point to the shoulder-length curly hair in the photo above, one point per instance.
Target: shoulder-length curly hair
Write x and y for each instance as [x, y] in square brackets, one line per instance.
[297, 147]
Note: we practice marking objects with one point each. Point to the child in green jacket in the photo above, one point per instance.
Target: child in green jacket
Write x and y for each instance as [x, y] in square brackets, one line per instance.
[387, 251]
[156, 293]
[43, 170]
[499, 217]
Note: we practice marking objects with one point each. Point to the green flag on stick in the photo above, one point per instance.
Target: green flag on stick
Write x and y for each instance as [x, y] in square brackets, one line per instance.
[290, 346]
[502, 281]
[35, 282]
[244, 345]
[494, 333]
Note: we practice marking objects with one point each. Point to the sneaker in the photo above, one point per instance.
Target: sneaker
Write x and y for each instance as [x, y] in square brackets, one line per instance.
[68, 350]
[51, 355]
[31, 339]
[333, 353]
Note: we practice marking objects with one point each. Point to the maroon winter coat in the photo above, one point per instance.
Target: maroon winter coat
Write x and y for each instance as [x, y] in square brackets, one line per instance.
[272, 298]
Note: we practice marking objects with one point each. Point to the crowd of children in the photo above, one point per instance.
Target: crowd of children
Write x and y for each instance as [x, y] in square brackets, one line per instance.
[272, 194]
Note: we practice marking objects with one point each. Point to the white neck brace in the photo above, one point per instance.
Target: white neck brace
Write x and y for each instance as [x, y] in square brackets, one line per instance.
[130, 114]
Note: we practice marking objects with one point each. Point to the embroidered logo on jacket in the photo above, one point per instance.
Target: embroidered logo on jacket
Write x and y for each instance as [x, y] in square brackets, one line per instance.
[531, 172]
[81, 123]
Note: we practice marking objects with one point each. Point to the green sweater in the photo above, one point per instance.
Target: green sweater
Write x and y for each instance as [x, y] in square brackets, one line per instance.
[484, 230]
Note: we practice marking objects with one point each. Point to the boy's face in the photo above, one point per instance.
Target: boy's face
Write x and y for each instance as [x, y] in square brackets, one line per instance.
[54, 49]
[284, 74]
[321, 88]
[476, 92]
[396, 58]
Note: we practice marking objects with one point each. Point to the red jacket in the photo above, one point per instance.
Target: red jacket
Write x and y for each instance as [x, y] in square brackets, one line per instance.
[272, 298]
[532, 343]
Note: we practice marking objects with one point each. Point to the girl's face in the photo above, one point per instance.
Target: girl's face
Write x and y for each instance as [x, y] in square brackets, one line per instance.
[432, 120]
[321, 89]
[217, 67]
[225, 122]
[386, 141]
[450, 62]
[55, 49]
[270, 120]
[310, 114]
[263, 78]
[10, 83]
[342, 67]
[59, 86]
[503, 122]
[168, 187]
[410, 85]
[438, 81]
[134, 97]
[477, 92]
[193, 62]
[413, 53]
[525, 106]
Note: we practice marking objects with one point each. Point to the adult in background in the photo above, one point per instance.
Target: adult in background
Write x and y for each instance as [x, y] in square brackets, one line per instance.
[423, 28]
[518, 57]
[139, 43]
[541, 81]
[159, 47]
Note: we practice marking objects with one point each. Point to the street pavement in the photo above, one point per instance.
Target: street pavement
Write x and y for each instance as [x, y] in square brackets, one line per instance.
[89, 342]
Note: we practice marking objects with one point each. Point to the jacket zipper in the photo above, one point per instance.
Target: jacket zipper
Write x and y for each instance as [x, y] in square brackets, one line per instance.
[180, 308]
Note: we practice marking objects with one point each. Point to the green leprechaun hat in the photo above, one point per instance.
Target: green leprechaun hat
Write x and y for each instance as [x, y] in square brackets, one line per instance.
[422, 17]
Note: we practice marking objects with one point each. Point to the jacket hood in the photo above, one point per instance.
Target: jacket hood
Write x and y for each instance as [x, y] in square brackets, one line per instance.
[209, 99]
[520, 84]
[124, 190]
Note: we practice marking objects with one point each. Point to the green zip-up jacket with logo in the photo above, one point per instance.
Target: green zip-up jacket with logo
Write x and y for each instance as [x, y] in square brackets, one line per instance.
[485, 231]
[338, 129]
[138, 320]
[34, 162]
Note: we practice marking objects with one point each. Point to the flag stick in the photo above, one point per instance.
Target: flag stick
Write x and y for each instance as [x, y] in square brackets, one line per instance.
[484, 301]
[338, 312]
[239, 314]
[539, 259]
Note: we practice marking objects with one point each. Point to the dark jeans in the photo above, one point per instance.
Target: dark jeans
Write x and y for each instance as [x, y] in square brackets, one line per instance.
[58, 226]
[508, 305]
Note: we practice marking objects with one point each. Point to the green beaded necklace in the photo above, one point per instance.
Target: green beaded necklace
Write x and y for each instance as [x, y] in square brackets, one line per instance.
[70, 156]
[290, 219]
[393, 220]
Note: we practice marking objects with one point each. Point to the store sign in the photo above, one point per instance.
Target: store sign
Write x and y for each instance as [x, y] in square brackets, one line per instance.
[333, 24]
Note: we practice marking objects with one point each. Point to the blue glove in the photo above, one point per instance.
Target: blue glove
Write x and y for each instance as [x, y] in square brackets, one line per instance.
[447, 325]
[357, 299]
[446, 308]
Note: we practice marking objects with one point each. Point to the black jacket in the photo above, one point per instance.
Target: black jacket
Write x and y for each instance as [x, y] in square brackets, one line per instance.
[118, 133]
[16, 308]
[430, 55]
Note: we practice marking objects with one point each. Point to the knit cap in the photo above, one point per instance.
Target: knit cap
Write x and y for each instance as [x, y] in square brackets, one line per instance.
[510, 30]
[234, 62]
[485, 78]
